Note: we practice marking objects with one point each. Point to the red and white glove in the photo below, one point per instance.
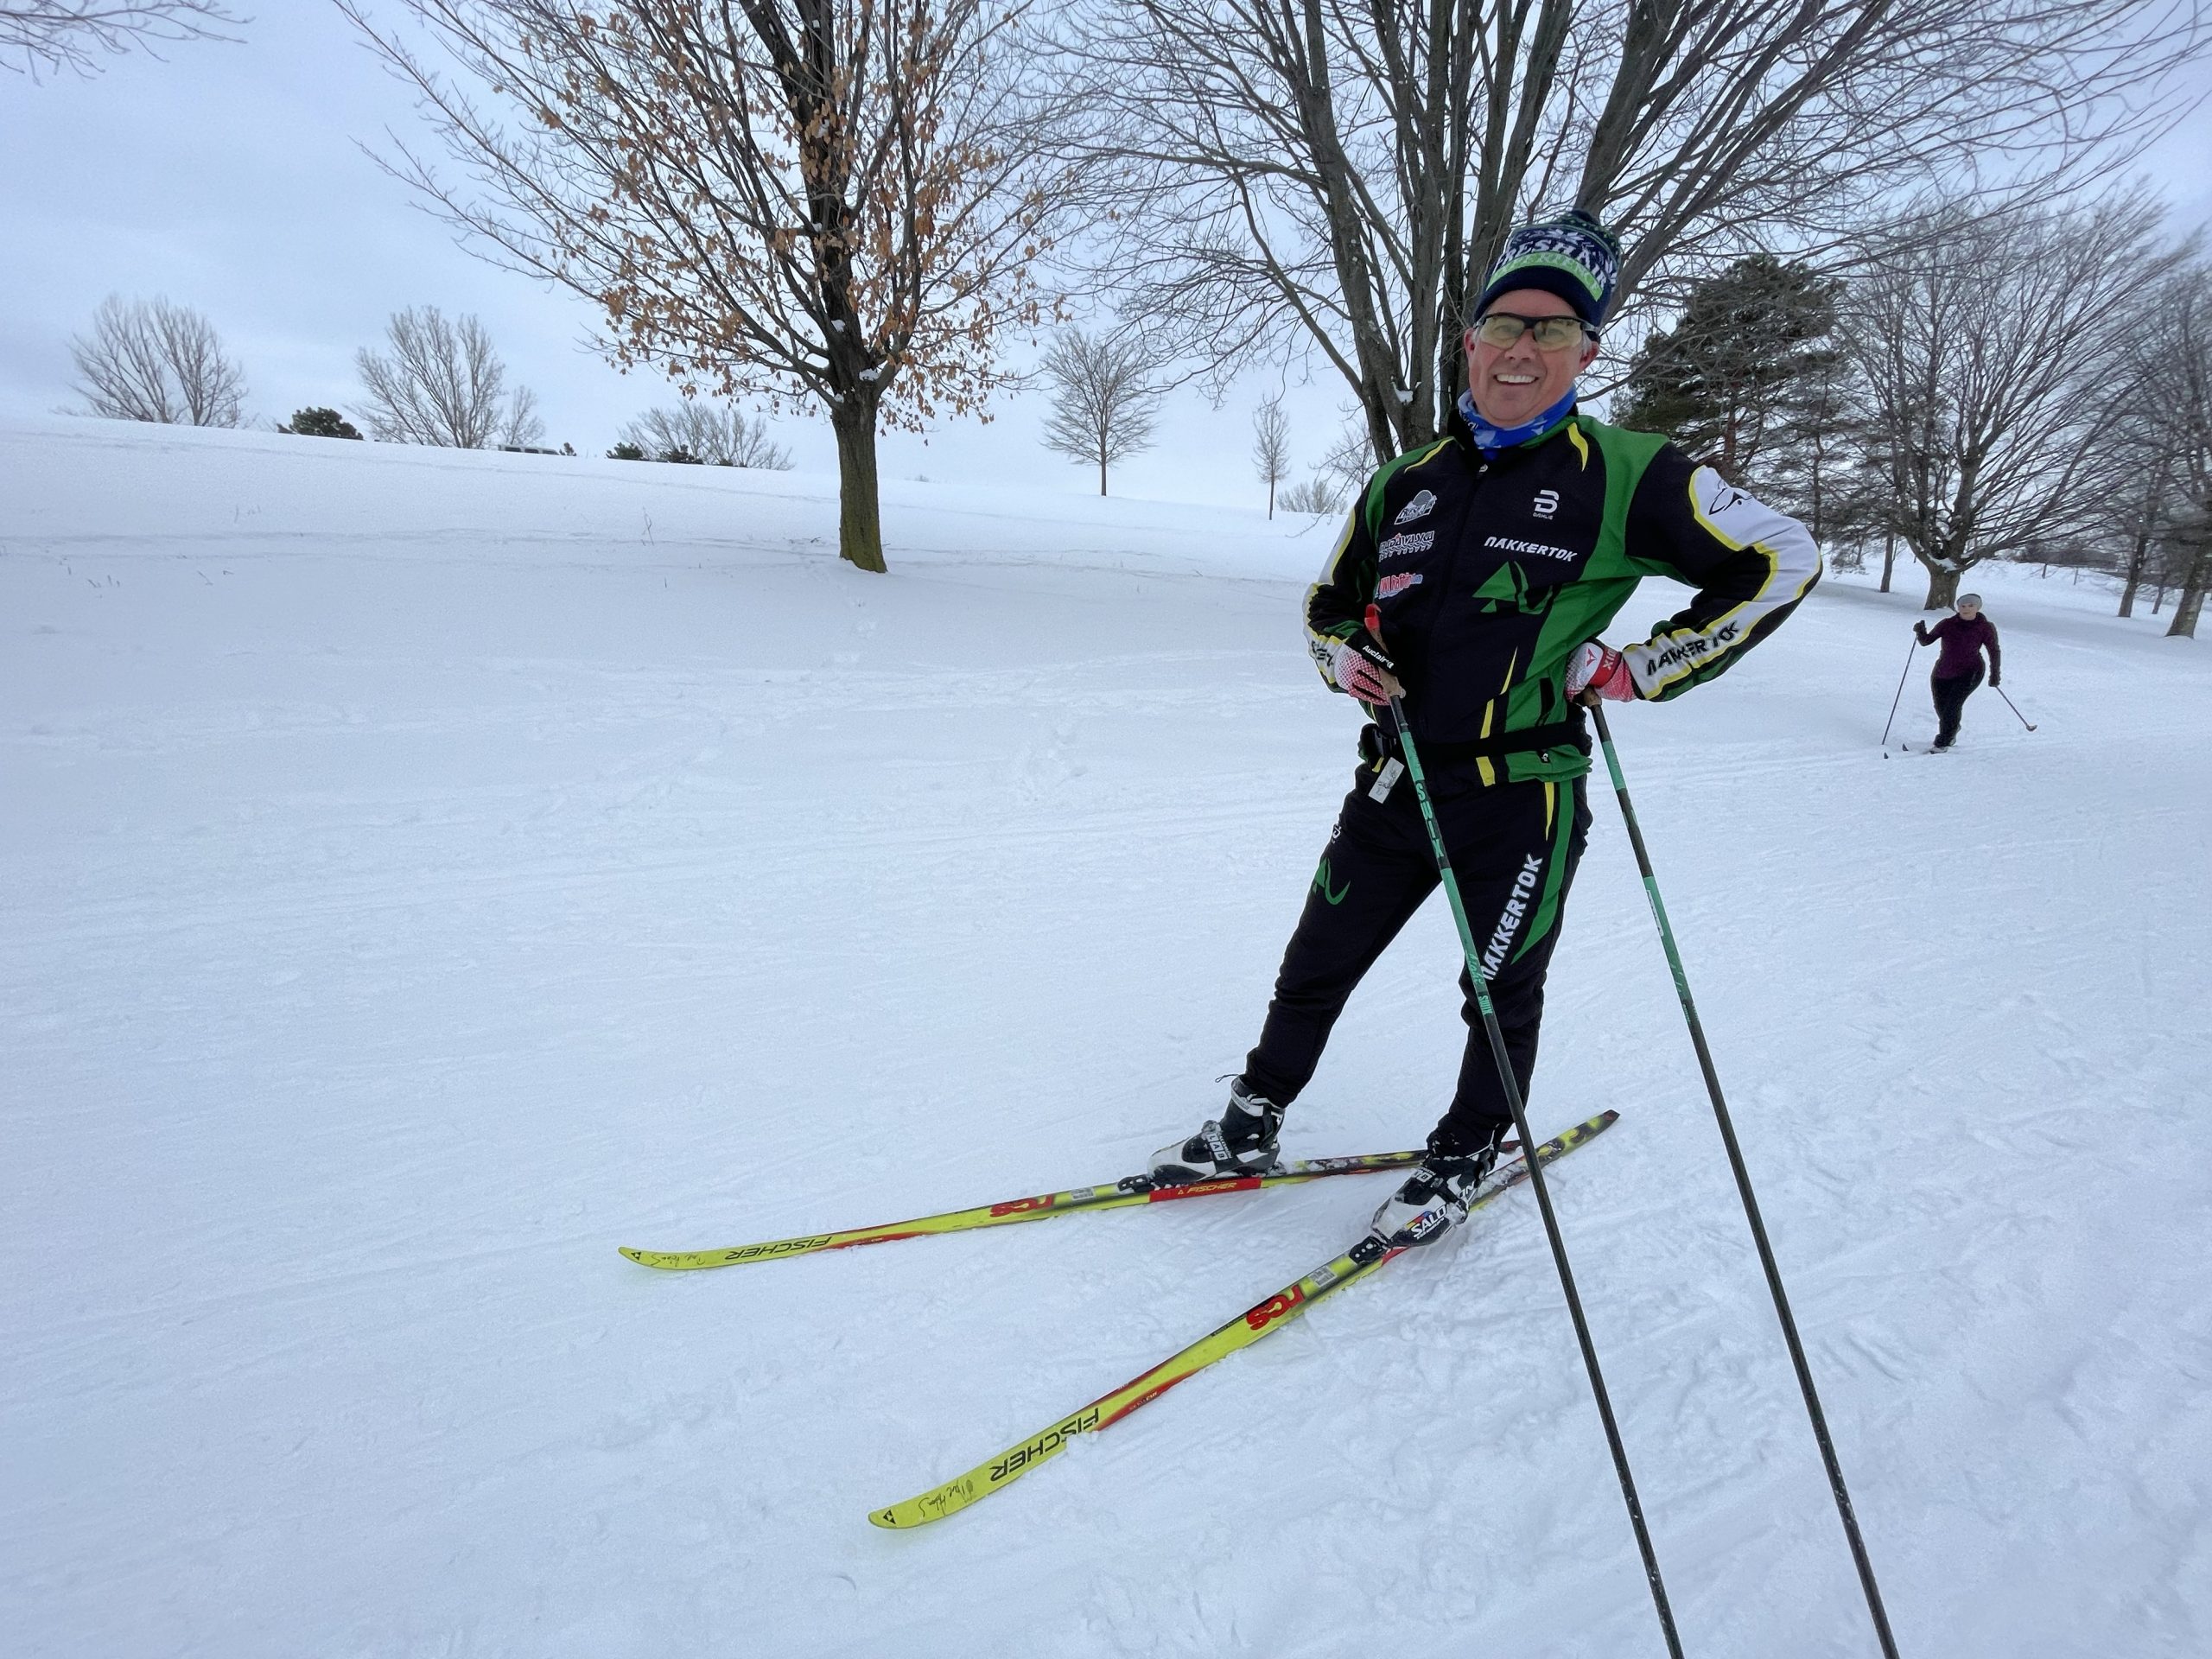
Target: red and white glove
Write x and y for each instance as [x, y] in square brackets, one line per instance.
[1354, 673]
[1597, 667]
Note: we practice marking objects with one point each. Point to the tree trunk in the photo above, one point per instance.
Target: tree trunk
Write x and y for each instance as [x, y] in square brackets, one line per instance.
[1889, 558]
[2134, 580]
[2192, 601]
[2141, 555]
[859, 514]
[1942, 588]
[1101, 474]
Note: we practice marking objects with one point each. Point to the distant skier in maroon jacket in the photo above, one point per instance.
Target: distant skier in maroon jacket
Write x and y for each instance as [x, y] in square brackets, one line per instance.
[1964, 637]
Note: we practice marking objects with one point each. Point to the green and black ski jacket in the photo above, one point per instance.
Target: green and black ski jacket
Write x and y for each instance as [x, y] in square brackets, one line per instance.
[1487, 573]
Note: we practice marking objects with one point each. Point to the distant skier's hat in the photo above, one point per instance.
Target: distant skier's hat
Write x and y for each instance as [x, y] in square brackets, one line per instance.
[1572, 256]
[1973, 600]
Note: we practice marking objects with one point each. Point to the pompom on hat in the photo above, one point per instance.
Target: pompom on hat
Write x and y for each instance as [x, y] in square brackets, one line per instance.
[1572, 256]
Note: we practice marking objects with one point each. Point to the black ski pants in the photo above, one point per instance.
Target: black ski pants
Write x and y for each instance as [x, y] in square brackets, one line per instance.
[1951, 696]
[1514, 850]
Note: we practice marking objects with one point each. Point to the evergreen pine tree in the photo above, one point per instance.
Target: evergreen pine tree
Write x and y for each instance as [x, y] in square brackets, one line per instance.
[1722, 383]
[319, 422]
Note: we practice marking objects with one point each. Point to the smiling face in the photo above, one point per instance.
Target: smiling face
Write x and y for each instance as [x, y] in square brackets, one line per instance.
[1517, 382]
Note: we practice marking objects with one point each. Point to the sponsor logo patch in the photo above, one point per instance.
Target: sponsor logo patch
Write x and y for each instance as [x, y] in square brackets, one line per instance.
[1419, 507]
[1545, 504]
[1411, 541]
[1391, 585]
[1543, 550]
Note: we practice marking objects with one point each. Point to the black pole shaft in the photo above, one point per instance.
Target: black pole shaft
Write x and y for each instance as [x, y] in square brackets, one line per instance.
[1512, 1085]
[1898, 699]
[1750, 1202]
[2014, 707]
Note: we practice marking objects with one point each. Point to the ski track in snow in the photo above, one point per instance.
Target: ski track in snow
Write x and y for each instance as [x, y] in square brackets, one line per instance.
[426, 872]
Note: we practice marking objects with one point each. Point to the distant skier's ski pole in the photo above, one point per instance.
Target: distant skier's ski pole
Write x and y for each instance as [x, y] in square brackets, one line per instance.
[1512, 1085]
[2014, 707]
[1750, 1202]
[1894, 702]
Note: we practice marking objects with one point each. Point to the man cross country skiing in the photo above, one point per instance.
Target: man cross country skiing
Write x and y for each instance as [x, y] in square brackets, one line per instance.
[1493, 558]
[1964, 636]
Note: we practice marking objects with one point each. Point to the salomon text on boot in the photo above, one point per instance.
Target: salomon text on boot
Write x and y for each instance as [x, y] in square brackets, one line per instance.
[1435, 1198]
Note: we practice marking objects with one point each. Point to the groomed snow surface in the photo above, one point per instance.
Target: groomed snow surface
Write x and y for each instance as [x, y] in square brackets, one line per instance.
[426, 872]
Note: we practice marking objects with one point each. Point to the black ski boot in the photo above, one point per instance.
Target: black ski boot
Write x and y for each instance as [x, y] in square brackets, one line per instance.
[1433, 1198]
[1241, 1142]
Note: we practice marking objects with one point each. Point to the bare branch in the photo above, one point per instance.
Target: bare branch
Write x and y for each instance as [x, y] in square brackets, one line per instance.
[54, 35]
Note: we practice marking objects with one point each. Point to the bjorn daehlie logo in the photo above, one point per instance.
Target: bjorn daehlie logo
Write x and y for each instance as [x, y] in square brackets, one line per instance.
[1419, 507]
[1547, 503]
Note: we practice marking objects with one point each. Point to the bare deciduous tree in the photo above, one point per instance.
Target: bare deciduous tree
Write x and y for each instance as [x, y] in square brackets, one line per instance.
[2145, 442]
[2178, 390]
[1271, 446]
[444, 385]
[1336, 175]
[149, 360]
[838, 202]
[58, 35]
[1988, 349]
[715, 433]
[1318, 493]
[1104, 404]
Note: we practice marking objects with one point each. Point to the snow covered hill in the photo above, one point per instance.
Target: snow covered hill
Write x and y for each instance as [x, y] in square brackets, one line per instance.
[426, 872]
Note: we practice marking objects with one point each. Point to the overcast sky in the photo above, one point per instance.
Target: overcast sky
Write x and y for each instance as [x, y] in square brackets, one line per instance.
[229, 178]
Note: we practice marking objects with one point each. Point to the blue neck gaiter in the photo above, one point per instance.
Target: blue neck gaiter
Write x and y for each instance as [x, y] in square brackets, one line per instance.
[1491, 439]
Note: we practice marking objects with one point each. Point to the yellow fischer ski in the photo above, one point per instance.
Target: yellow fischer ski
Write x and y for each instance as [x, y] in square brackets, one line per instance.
[1242, 1332]
[1130, 1190]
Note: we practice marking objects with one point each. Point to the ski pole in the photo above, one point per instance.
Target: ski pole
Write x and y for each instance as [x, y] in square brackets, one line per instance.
[1535, 1173]
[1895, 700]
[2014, 707]
[1751, 1201]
